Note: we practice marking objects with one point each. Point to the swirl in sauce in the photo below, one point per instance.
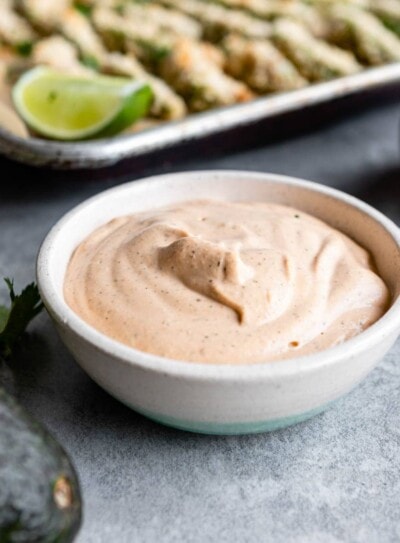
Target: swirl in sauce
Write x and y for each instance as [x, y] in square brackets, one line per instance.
[224, 283]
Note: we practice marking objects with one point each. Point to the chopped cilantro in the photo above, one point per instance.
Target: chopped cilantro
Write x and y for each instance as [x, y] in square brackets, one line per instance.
[14, 320]
[90, 62]
[24, 48]
[83, 8]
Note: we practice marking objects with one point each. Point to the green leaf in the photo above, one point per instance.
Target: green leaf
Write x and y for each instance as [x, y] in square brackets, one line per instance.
[14, 321]
[10, 284]
[4, 312]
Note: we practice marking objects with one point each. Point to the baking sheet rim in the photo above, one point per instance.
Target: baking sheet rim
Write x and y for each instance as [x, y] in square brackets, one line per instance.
[100, 153]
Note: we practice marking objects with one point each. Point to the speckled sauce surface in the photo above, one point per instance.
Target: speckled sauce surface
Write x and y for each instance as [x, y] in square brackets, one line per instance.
[335, 478]
[224, 282]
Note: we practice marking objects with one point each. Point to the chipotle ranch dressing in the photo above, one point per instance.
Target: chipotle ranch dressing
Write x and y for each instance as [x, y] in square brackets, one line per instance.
[224, 283]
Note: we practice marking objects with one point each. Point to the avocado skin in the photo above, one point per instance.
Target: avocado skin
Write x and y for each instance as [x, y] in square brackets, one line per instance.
[31, 461]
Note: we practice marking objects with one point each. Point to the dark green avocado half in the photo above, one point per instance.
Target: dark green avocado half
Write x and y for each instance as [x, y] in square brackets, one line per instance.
[40, 500]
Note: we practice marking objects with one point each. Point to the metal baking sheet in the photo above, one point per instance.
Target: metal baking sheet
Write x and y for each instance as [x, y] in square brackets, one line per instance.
[105, 152]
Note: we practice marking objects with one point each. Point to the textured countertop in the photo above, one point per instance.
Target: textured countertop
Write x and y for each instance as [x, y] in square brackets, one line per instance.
[333, 479]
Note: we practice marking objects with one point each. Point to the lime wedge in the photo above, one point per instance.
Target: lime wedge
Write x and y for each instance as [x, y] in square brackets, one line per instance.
[66, 107]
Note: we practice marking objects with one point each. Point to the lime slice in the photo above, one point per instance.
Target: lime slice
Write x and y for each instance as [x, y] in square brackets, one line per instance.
[66, 107]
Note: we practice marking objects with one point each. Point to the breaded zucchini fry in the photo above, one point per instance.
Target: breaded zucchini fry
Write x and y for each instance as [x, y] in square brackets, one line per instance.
[218, 21]
[87, 5]
[166, 19]
[8, 60]
[364, 34]
[198, 79]
[14, 30]
[324, 3]
[122, 64]
[10, 120]
[261, 65]
[12, 65]
[388, 11]
[78, 29]
[7, 55]
[315, 59]
[167, 104]
[60, 54]
[119, 32]
[273, 9]
[45, 15]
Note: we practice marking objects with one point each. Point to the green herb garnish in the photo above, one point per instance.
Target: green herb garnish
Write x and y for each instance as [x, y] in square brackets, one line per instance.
[90, 62]
[24, 48]
[15, 319]
[83, 8]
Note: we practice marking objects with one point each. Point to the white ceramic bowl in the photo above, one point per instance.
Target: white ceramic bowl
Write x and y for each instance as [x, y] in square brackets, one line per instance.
[229, 399]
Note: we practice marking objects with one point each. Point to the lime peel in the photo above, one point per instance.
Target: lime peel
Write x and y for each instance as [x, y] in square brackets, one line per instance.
[69, 107]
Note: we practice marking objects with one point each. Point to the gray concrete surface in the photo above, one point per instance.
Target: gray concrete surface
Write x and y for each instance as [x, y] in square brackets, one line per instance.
[333, 479]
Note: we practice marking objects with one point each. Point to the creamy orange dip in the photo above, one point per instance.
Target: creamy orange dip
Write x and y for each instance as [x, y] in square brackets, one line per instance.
[224, 283]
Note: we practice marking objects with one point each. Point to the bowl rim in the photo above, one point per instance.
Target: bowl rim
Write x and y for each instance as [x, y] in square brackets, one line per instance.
[66, 318]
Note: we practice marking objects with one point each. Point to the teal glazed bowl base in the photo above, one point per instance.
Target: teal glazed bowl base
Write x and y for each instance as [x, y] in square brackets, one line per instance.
[231, 429]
